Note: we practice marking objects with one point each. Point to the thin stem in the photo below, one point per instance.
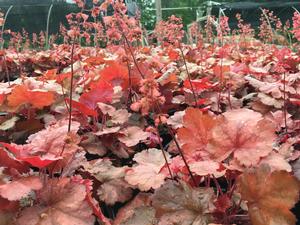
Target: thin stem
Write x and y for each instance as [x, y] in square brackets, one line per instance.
[165, 157]
[219, 189]
[269, 23]
[130, 50]
[182, 155]
[6, 68]
[129, 80]
[221, 83]
[178, 148]
[284, 103]
[132, 55]
[189, 76]
[229, 97]
[164, 154]
[71, 87]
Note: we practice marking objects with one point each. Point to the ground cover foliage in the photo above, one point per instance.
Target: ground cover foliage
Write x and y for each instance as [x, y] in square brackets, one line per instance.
[167, 134]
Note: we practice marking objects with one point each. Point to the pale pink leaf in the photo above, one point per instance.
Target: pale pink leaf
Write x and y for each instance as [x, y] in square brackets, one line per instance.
[204, 168]
[103, 170]
[131, 136]
[18, 189]
[146, 174]
[114, 191]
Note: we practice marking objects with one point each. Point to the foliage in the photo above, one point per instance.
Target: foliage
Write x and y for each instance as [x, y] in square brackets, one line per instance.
[159, 135]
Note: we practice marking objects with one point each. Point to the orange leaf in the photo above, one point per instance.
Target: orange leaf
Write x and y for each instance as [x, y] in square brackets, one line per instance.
[269, 196]
[50, 75]
[20, 95]
[115, 74]
[61, 77]
[94, 60]
[195, 132]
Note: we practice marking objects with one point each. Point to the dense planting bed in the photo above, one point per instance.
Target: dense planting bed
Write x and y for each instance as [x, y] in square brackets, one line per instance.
[169, 134]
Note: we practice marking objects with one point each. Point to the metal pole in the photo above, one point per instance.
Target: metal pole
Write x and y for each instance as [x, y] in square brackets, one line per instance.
[2, 31]
[158, 10]
[47, 28]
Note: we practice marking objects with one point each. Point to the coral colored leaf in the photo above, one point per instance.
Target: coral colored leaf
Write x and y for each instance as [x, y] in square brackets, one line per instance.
[82, 108]
[178, 203]
[94, 60]
[269, 196]
[195, 133]
[147, 173]
[115, 74]
[61, 77]
[20, 95]
[220, 71]
[50, 74]
[244, 133]
[20, 188]
[61, 202]
[101, 92]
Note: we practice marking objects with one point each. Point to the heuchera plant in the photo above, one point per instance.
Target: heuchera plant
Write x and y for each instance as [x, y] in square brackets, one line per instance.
[165, 134]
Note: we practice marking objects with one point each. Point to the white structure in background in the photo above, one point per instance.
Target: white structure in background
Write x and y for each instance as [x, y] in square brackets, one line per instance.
[203, 13]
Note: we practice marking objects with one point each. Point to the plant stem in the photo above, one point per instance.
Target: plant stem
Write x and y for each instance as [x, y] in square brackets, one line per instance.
[132, 55]
[71, 86]
[179, 149]
[164, 154]
[189, 76]
[284, 102]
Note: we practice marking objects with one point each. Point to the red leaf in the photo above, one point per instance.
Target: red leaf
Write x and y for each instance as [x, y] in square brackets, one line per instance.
[223, 203]
[10, 163]
[101, 92]
[199, 85]
[35, 161]
[82, 108]
[2, 98]
[295, 101]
